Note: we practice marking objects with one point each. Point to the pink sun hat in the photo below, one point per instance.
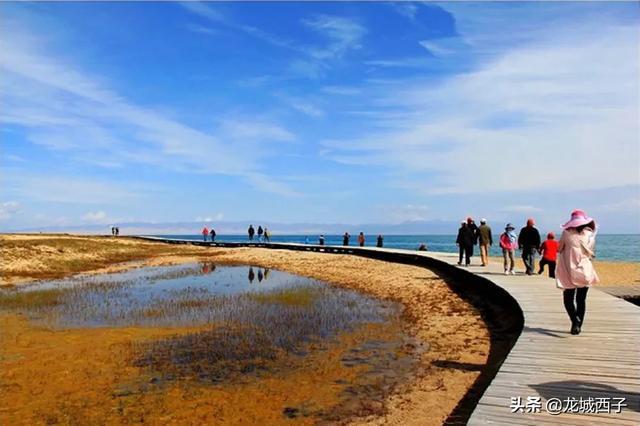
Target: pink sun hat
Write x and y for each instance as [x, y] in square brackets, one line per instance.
[578, 218]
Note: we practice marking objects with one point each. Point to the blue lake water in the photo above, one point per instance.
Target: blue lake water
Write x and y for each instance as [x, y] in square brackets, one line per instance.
[197, 293]
[609, 247]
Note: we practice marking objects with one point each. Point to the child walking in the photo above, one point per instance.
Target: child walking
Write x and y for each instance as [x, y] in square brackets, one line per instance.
[549, 252]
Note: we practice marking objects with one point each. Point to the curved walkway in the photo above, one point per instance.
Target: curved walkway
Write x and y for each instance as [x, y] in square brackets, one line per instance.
[549, 376]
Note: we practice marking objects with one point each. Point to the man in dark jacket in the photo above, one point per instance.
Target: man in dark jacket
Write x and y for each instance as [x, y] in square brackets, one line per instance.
[486, 240]
[529, 243]
[465, 241]
[471, 224]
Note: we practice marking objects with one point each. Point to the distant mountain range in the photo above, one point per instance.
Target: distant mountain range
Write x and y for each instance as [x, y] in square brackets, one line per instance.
[240, 228]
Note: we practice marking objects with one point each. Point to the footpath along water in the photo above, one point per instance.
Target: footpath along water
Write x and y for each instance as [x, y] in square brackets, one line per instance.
[249, 324]
[622, 247]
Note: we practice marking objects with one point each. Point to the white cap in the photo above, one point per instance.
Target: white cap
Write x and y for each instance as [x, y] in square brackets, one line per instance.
[483, 220]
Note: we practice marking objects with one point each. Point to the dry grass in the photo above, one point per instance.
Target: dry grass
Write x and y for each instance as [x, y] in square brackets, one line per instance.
[30, 257]
[31, 299]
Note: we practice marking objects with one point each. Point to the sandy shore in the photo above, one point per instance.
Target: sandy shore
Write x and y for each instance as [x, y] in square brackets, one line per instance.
[452, 330]
[610, 273]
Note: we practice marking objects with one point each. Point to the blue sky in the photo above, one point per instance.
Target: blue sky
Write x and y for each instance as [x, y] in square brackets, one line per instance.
[318, 112]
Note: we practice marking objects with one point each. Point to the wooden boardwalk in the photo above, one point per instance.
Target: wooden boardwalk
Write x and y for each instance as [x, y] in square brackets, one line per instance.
[549, 376]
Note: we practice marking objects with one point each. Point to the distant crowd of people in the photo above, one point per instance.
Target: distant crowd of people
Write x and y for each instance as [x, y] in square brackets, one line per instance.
[361, 240]
[263, 234]
[528, 241]
[209, 233]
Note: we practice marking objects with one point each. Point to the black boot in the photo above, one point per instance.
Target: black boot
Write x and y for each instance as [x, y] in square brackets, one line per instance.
[575, 326]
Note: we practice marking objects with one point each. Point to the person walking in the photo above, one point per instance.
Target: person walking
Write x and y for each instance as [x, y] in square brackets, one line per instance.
[471, 224]
[267, 235]
[321, 240]
[465, 241]
[251, 232]
[529, 243]
[205, 233]
[212, 234]
[574, 270]
[549, 252]
[486, 240]
[379, 241]
[361, 239]
[508, 244]
[459, 243]
[345, 239]
[260, 232]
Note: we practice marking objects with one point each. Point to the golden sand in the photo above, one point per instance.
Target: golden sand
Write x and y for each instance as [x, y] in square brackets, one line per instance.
[85, 375]
[610, 273]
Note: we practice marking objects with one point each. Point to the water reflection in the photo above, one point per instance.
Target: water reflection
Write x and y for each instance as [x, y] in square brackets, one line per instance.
[194, 294]
[245, 328]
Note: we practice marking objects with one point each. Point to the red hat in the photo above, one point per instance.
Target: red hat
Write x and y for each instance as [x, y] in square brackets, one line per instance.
[551, 236]
[531, 222]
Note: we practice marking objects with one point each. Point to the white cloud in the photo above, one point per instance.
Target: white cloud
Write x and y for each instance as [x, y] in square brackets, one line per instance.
[557, 114]
[435, 47]
[412, 62]
[8, 209]
[95, 217]
[341, 90]
[201, 29]
[407, 213]
[64, 109]
[407, 9]
[628, 205]
[216, 217]
[345, 35]
[305, 106]
[67, 189]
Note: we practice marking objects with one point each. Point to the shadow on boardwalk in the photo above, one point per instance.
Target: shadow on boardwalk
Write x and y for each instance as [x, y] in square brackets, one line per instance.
[584, 390]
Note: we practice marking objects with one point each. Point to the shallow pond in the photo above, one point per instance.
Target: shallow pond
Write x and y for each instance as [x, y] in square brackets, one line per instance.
[249, 323]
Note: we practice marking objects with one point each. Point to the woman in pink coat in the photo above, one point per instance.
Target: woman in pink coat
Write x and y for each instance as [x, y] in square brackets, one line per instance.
[574, 270]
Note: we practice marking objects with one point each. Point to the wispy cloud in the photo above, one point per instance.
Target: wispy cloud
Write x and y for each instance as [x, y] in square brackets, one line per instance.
[407, 212]
[8, 209]
[201, 29]
[341, 90]
[212, 218]
[412, 62]
[305, 106]
[98, 217]
[341, 33]
[344, 34]
[65, 109]
[406, 9]
[531, 118]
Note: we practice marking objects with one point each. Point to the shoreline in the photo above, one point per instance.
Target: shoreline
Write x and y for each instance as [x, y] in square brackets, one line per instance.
[15, 271]
[433, 313]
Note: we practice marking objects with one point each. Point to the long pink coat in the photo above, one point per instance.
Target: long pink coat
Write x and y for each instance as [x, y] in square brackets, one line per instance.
[574, 267]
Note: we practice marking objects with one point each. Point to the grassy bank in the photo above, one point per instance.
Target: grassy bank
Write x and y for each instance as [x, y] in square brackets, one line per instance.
[29, 257]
